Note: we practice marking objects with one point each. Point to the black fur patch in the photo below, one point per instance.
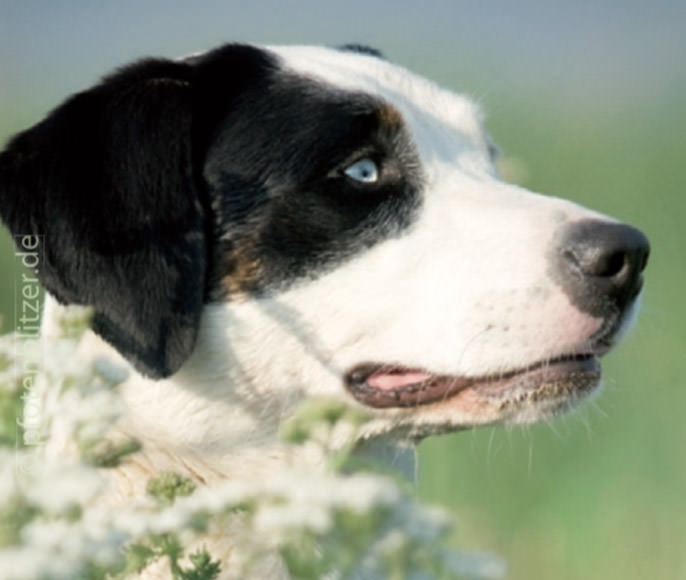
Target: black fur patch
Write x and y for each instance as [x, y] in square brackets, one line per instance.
[172, 183]
[284, 210]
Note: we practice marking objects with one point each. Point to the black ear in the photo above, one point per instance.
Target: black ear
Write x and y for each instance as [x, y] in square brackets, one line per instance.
[107, 181]
[362, 49]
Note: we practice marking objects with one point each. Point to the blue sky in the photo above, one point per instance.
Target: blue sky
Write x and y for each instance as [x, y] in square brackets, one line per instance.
[588, 51]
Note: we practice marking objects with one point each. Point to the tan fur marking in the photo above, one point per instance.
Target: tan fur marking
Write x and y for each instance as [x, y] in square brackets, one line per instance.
[389, 117]
[246, 269]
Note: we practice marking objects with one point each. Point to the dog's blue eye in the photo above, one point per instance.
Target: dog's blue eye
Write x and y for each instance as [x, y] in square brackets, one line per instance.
[364, 171]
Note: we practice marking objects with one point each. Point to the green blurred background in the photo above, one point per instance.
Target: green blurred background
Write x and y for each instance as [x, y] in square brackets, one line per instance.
[588, 102]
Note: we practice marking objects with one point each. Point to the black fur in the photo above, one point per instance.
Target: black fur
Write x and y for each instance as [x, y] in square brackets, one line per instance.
[107, 180]
[283, 203]
[362, 49]
[152, 188]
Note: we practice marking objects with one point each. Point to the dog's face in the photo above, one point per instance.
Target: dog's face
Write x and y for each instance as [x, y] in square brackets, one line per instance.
[292, 221]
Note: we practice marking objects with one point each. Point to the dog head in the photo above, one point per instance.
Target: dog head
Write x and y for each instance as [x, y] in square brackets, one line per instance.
[273, 223]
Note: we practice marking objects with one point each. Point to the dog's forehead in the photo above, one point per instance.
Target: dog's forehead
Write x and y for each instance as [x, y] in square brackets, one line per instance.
[422, 102]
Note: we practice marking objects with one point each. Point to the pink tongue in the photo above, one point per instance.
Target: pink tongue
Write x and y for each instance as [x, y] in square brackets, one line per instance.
[392, 381]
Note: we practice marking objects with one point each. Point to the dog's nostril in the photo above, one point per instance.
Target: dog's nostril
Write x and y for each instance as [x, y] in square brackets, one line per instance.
[609, 265]
[592, 261]
[571, 258]
[606, 250]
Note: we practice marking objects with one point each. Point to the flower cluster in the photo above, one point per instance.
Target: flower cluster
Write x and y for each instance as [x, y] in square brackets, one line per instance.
[341, 524]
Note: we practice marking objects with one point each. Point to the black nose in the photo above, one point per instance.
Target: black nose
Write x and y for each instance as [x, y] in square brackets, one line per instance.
[600, 265]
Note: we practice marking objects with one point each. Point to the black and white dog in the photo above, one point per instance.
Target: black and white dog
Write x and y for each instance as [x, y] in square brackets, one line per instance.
[254, 226]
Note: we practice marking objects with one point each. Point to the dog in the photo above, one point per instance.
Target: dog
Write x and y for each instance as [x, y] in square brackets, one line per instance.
[255, 226]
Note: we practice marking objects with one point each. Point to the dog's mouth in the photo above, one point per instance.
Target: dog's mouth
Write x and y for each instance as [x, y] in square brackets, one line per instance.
[391, 386]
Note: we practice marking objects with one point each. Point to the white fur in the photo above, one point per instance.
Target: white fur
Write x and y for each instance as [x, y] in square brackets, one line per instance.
[465, 292]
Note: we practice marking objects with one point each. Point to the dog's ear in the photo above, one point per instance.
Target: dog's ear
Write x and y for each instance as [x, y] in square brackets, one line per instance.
[107, 182]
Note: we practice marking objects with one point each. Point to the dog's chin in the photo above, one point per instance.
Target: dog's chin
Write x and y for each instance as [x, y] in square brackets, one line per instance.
[426, 403]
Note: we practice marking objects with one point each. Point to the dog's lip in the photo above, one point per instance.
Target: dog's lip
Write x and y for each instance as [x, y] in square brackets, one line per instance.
[383, 386]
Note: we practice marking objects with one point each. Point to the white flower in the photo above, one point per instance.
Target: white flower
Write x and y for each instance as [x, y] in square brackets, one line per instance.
[280, 520]
[26, 563]
[74, 529]
[59, 487]
[11, 464]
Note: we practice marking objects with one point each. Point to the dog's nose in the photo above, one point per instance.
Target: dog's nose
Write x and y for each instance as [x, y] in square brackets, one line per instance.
[600, 265]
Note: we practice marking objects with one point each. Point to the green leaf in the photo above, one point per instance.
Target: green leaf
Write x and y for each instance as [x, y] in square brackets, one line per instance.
[105, 453]
[204, 568]
[168, 485]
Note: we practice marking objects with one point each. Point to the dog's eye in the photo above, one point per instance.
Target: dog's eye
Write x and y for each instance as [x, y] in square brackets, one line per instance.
[364, 171]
